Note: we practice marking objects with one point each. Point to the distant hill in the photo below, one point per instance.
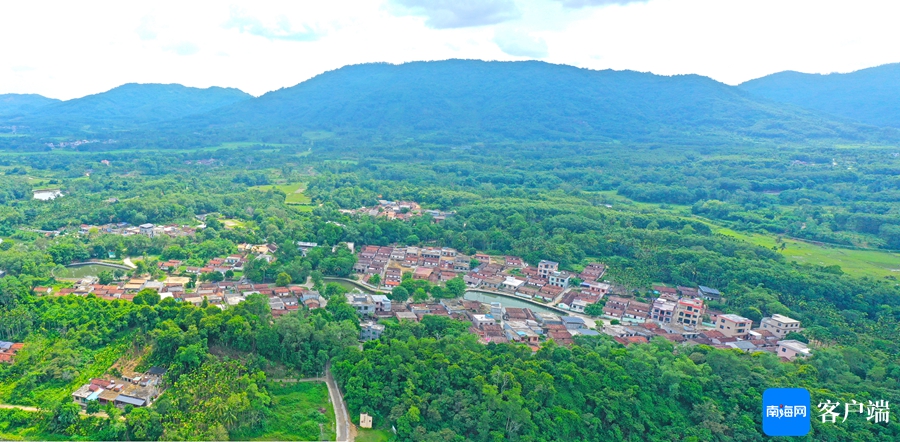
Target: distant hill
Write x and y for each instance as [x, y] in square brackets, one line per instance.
[129, 106]
[476, 100]
[870, 96]
[452, 101]
[18, 104]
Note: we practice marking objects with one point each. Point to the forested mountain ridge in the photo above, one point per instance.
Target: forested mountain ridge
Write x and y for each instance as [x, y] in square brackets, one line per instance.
[15, 104]
[456, 100]
[129, 106]
[870, 96]
[452, 102]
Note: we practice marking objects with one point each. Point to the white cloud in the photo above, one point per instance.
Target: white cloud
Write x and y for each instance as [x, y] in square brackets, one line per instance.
[146, 29]
[520, 43]
[183, 48]
[281, 29]
[91, 46]
[442, 14]
[587, 3]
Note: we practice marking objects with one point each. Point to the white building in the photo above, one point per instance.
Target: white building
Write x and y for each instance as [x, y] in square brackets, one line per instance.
[363, 303]
[482, 320]
[146, 229]
[559, 279]
[791, 349]
[780, 325]
[370, 331]
[382, 303]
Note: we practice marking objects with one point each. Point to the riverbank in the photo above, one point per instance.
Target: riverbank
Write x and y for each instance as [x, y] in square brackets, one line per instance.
[590, 321]
[365, 287]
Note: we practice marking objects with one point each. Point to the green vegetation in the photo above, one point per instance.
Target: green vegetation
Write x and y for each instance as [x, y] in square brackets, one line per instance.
[372, 435]
[459, 390]
[293, 192]
[859, 263]
[297, 412]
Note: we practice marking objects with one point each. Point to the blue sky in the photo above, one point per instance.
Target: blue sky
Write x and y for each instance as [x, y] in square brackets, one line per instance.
[70, 49]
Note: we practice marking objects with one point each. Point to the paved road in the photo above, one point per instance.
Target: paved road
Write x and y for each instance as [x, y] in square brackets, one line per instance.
[128, 263]
[341, 416]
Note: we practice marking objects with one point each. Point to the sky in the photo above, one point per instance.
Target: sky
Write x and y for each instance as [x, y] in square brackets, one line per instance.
[65, 49]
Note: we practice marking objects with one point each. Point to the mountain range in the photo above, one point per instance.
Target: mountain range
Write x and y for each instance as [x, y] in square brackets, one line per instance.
[125, 107]
[870, 96]
[469, 100]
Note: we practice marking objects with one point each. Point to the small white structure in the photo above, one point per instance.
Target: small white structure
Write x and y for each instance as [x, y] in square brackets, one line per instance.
[365, 421]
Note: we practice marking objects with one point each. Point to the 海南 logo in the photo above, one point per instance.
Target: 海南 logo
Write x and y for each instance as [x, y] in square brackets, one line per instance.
[785, 412]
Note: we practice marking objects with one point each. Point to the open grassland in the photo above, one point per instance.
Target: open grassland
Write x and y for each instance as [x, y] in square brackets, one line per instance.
[372, 435]
[294, 193]
[299, 411]
[855, 262]
[873, 263]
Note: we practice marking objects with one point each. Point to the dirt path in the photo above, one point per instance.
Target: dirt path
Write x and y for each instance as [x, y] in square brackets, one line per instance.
[293, 381]
[36, 410]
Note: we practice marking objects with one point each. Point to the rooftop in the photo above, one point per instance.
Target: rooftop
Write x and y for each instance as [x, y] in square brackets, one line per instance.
[734, 318]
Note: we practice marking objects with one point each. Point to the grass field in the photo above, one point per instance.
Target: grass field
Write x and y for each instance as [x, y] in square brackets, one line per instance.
[238, 144]
[873, 263]
[297, 413]
[232, 223]
[859, 263]
[372, 435]
[294, 192]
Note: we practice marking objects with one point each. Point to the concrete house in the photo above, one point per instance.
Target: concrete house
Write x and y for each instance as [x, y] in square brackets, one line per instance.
[780, 325]
[791, 349]
[733, 325]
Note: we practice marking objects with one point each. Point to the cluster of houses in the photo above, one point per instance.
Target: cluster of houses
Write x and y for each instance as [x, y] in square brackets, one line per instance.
[119, 290]
[135, 389]
[233, 263]
[221, 294]
[401, 210]
[8, 351]
[680, 305]
[545, 282]
[147, 229]
[509, 274]
[679, 318]
[435, 264]
[522, 325]
[493, 323]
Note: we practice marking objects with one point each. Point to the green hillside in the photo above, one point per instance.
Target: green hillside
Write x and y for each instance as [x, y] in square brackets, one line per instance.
[870, 96]
[17, 104]
[128, 106]
[466, 100]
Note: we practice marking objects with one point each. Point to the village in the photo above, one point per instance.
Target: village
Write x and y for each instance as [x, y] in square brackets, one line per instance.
[678, 314]
[565, 305]
[400, 210]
